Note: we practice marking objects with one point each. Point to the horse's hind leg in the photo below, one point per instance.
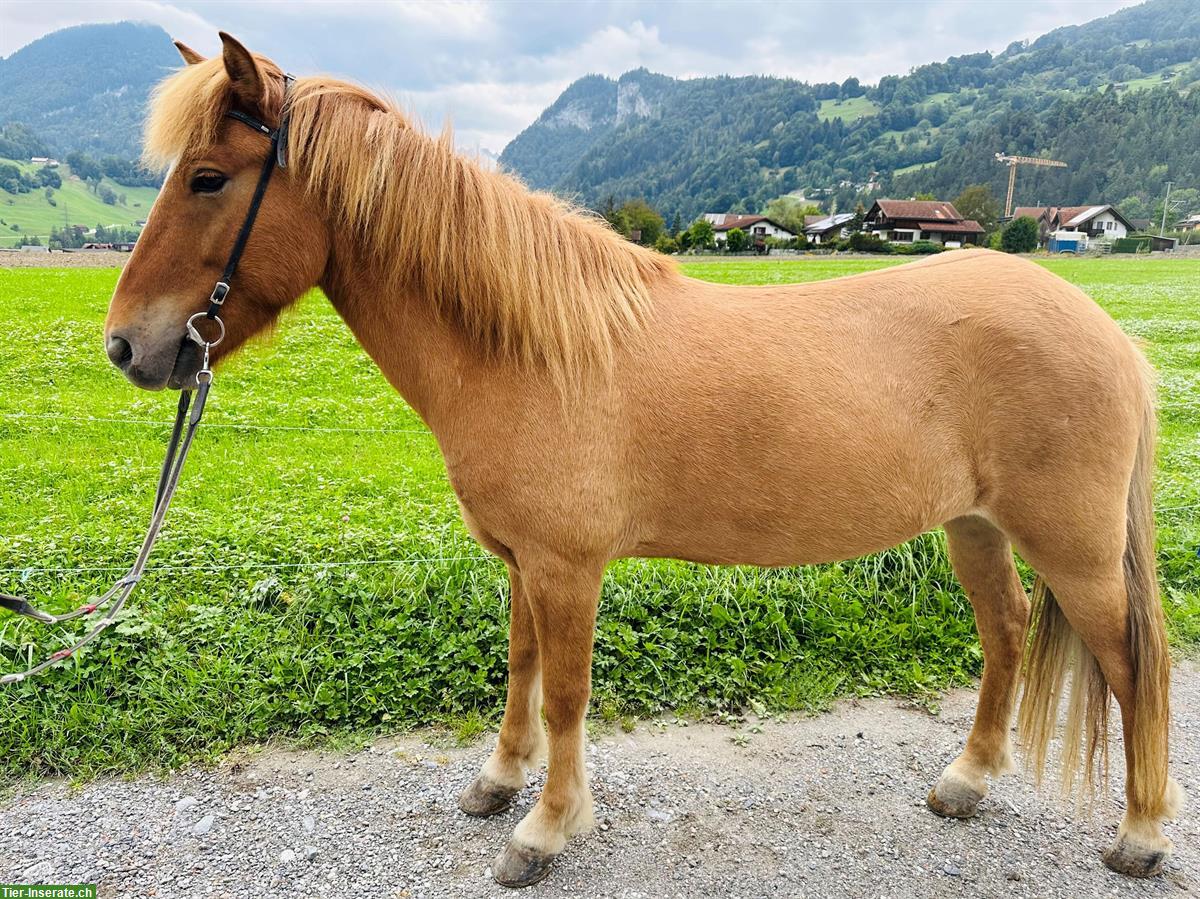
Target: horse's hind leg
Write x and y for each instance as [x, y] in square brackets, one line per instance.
[522, 741]
[983, 561]
[1129, 649]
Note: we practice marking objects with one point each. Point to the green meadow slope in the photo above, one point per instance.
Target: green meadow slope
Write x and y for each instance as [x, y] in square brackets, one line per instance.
[32, 214]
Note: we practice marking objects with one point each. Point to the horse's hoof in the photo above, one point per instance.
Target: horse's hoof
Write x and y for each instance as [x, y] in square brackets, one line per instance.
[1136, 861]
[953, 798]
[482, 798]
[520, 866]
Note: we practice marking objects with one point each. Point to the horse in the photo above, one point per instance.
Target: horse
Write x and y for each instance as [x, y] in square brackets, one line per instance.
[591, 403]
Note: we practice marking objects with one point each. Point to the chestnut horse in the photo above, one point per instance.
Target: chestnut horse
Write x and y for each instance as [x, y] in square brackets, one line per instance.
[591, 403]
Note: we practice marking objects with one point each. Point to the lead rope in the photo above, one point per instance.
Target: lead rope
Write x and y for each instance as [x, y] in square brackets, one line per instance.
[114, 599]
[183, 431]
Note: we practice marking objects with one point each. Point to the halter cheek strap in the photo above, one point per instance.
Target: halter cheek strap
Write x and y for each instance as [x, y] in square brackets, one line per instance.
[276, 158]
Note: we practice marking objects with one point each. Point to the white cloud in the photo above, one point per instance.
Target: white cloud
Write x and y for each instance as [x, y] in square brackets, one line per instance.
[491, 66]
[23, 21]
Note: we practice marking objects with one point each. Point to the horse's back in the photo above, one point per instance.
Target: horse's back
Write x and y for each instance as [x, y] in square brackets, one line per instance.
[833, 418]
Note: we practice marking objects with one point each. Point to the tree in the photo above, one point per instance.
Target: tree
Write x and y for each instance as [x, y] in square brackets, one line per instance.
[702, 234]
[11, 179]
[735, 240]
[84, 166]
[1020, 235]
[676, 224]
[47, 177]
[790, 212]
[976, 202]
[851, 88]
[637, 216]
[856, 223]
[666, 244]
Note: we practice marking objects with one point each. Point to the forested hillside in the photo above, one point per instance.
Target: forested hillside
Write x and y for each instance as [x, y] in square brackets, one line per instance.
[1116, 98]
[85, 88]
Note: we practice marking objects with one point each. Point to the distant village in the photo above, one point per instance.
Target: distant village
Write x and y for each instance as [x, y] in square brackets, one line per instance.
[1099, 227]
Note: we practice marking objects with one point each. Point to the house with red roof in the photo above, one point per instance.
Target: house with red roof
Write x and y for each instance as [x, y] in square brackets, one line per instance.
[757, 227]
[906, 221]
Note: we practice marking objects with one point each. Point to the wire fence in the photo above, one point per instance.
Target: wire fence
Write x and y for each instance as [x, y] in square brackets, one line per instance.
[29, 571]
[208, 425]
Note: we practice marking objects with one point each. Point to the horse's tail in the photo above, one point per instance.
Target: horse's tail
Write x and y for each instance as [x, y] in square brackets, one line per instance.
[1055, 647]
[1054, 650]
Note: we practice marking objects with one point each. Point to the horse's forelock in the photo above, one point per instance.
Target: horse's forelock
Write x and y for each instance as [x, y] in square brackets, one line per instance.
[188, 108]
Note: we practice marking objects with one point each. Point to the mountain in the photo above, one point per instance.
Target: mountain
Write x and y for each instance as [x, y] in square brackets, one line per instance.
[85, 88]
[730, 144]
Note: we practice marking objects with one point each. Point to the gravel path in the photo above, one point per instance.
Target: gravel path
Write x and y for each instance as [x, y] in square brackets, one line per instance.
[829, 806]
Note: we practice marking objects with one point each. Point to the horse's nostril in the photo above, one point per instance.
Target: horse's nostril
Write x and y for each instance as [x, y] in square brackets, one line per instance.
[120, 352]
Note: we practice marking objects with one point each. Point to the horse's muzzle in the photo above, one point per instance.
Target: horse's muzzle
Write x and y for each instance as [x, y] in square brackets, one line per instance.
[160, 369]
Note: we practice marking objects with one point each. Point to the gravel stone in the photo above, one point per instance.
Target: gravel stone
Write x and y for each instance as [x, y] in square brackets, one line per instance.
[204, 825]
[805, 808]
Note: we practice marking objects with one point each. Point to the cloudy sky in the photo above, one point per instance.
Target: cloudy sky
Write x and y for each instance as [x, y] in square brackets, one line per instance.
[491, 67]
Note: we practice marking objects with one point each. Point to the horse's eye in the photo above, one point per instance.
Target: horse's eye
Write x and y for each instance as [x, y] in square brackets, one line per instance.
[208, 182]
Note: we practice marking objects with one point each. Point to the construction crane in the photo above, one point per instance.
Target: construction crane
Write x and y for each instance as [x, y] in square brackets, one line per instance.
[1012, 162]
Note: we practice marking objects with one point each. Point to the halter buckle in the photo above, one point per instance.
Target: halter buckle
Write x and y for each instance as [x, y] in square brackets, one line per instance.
[220, 292]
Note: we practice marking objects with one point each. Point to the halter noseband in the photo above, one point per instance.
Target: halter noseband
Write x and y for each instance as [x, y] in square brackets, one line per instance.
[276, 158]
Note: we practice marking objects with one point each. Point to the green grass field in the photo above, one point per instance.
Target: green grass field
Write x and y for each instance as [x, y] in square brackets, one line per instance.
[74, 203]
[315, 580]
[847, 110]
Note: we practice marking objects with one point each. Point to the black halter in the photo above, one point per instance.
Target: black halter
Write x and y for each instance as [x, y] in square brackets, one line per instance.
[277, 157]
[187, 419]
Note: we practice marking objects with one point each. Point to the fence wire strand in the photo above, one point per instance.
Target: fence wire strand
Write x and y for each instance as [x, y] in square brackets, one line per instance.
[225, 425]
[30, 570]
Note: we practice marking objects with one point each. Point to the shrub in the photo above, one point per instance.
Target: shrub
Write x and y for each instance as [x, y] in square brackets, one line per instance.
[1020, 236]
[917, 248]
[736, 240]
[787, 243]
[867, 242]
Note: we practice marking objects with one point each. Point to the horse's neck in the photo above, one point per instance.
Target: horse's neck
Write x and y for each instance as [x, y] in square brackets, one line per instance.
[423, 357]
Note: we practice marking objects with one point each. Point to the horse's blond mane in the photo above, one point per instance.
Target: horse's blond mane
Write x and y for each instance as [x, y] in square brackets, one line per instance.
[525, 274]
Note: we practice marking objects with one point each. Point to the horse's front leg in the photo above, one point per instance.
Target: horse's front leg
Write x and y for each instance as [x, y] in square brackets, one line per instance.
[522, 742]
[562, 598]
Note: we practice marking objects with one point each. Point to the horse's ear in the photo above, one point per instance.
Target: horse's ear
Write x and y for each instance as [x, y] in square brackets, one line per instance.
[190, 56]
[244, 73]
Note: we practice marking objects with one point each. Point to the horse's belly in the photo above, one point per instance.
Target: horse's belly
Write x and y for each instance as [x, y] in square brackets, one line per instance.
[799, 514]
[808, 538]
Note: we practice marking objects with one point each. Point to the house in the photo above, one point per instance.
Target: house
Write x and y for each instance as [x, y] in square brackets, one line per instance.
[937, 221]
[824, 228]
[1098, 222]
[44, 160]
[1191, 223]
[757, 227]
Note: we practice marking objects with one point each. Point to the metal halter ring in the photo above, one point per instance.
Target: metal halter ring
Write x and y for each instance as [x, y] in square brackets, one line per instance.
[195, 335]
